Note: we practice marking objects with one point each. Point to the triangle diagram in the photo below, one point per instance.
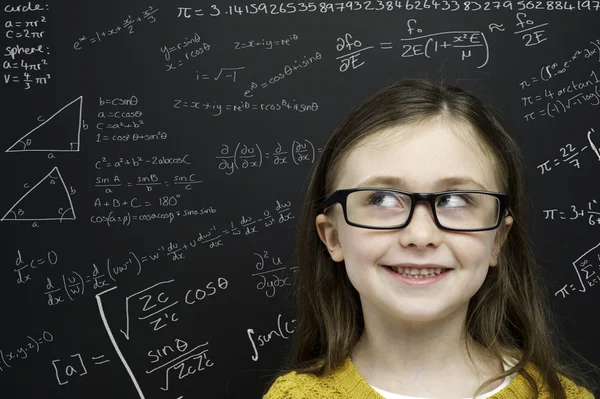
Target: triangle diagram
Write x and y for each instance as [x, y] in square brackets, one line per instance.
[58, 133]
[49, 199]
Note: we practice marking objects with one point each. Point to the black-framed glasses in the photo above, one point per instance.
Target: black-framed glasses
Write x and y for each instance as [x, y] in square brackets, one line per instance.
[386, 208]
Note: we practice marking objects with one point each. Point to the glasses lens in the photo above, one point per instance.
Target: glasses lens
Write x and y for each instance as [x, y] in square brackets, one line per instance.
[381, 208]
[467, 210]
[378, 208]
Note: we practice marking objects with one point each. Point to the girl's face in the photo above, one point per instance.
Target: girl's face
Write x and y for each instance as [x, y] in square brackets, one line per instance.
[419, 158]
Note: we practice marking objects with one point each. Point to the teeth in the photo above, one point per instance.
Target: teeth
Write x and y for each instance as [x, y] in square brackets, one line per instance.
[417, 273]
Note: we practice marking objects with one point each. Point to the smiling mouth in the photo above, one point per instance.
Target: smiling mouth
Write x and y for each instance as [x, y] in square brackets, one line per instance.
[417, 273]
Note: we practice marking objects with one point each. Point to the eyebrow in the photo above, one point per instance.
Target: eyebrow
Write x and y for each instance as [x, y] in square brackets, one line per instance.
[393, 181]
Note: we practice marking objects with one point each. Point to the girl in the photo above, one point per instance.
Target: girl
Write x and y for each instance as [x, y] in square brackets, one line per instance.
[416, 277]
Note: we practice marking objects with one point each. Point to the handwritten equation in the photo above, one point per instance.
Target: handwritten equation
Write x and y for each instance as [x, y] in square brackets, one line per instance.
[127, 25]
[580, 92]
[156, 305]
[245, 156]
[260, 340]
[27, 63]
[587, 269]
[267, 44]
[31, 344]
[175, 359]
[570, 154]
[74, 366]
[421, 46]
[197, 47]
[467, 43]
[157, 160]
[26, 266]
[549, 71]
[246, 106]
[148, 181]
[169, 201]
[187, 363]
[270, 279]
[224, 73]
[114, 219]
[324, 7]
[591, 213]
[287, 70]
[75, 284]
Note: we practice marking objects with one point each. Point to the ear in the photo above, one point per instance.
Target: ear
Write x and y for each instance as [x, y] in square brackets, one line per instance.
[329, 236]
[499, 240]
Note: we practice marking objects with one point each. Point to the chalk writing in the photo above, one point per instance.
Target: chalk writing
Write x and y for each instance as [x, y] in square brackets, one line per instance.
[126, 26]
[267, 44]
[26, 24]
[156, 305]
[105, 163]
[587, 268]
[197, 357]
[245, 156]
[570, 154]
[550, 71]
[113, 219]
[215, 239]
[135, 203]
[176, 359]
[576, 93]
[114, 341]
[531, 35]
[197, 48]
[26, 266]
[52, 135]
[117, 119]
[592, 213]
[31, 344]
[226, 73]
[135, 137]
[189, 362]
[74, 284]
[245, 106]
[263, 339]
[423, 45]
[48, 200]
[288, 70]
[370, 6]
[147, 181]
[74, 365]
[270, 284]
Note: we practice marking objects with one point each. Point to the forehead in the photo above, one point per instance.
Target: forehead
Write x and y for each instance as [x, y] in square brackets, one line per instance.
[421, 155]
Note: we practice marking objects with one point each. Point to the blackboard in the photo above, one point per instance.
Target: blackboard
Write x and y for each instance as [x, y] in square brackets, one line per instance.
[155, 155]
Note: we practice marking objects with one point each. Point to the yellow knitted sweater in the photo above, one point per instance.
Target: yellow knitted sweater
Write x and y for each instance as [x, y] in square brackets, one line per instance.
[347, 383]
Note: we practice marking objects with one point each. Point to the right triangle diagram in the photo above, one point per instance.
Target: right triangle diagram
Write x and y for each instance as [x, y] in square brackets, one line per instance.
[49, 199]
[59, 133]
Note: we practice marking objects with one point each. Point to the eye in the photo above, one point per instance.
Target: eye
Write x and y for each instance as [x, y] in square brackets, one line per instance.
[385, 199]
[455, 200]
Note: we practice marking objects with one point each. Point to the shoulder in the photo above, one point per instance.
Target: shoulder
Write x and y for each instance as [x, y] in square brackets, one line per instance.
[295, 385]
[572, 390]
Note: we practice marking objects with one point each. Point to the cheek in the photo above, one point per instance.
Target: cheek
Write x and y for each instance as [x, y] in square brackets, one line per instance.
[473, 250]
[361, 243]
[362, 249]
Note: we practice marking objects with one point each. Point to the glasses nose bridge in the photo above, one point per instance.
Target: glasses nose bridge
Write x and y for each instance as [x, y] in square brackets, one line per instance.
[427, 197]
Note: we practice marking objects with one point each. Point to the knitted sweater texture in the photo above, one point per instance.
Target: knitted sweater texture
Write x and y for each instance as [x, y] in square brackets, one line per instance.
[347, 383]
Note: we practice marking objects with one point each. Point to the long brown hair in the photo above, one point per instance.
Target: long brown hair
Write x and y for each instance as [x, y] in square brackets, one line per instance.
[510, 315]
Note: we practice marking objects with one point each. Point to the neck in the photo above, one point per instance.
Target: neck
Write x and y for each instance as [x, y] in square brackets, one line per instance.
[400, 355]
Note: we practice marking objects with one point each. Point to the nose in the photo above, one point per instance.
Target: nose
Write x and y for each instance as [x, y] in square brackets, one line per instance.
[422, 230]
